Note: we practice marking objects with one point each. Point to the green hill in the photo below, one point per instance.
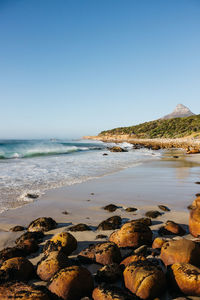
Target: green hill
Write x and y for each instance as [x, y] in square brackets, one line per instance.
[172, 128]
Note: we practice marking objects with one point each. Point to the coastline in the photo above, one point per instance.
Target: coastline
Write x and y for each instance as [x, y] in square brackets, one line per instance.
[159, 143]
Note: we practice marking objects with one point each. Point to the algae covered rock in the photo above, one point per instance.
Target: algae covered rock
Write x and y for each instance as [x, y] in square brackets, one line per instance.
[63, 241]
[109, 273]
[72, 283]
[180, 251]
[21, 291]
[132, 234]
[110, 207]
[110, 223]
[130, 209]
[163, 207]
[108, 292]
[79, 227]
[17, 268]
[17, 228]
[172, 228]
[11, 252]
[133, 258]
[37, 236]
[102, 253]
[51, 264]
[153, 214]
[144, 279]
[194, 222]
[28, 246]
[42, 224]
[187, 278]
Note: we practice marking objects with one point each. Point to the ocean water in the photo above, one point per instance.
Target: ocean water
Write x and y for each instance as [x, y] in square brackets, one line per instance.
[33, 166]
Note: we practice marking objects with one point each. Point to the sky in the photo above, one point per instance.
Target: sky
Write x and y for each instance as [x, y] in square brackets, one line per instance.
[70, 68]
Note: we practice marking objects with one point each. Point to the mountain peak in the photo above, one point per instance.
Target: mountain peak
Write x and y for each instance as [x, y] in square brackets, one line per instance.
[180, 111]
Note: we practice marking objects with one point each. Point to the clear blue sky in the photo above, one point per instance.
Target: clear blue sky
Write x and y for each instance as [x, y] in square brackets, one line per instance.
[76, 67]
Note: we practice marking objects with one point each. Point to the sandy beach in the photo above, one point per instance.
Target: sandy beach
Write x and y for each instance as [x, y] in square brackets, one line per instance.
[168, 181]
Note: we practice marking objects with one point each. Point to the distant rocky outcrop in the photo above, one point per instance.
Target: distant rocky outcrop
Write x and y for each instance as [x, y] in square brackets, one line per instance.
[179, 112]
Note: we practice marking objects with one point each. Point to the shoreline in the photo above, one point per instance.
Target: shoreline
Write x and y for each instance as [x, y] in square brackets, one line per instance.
[157, 143]
[181, 164]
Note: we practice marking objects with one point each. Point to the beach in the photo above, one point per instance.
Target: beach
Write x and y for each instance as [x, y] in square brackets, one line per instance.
[168, 181]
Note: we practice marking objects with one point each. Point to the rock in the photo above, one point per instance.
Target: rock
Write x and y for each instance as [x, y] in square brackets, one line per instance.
[180, 251]
[63, 241]
[101, 236]
[130, 209]
[145, 221]
[102, 253]
[144, 279]
[110, 223]
[198, 182]
[110, 207]
[187, 278]
[42, 224]
[194, 222]
[21, 291]
[9, 252]
[107, 292]
[133, 258]
[49, 265]
[158, 243]
[195, 204]
[17, 268]
[79, 227]
[72, 283]
[17, 228]
[105, 154]
[117, 149]
[163, 207]
[37, 236]
[32, 196]
[189, 206]
[132, 235]
[171, 228]
[65, 212]
[28, 246]
[109, 273]
[193, 151]
[153, 214]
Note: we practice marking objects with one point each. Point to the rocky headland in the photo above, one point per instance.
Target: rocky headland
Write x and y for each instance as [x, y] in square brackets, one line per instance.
[180, 129]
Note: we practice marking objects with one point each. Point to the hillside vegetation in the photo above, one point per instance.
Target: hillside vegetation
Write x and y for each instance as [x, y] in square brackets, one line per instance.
[172, 128]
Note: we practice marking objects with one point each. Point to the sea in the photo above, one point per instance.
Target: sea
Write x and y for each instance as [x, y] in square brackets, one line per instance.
[30, 167]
